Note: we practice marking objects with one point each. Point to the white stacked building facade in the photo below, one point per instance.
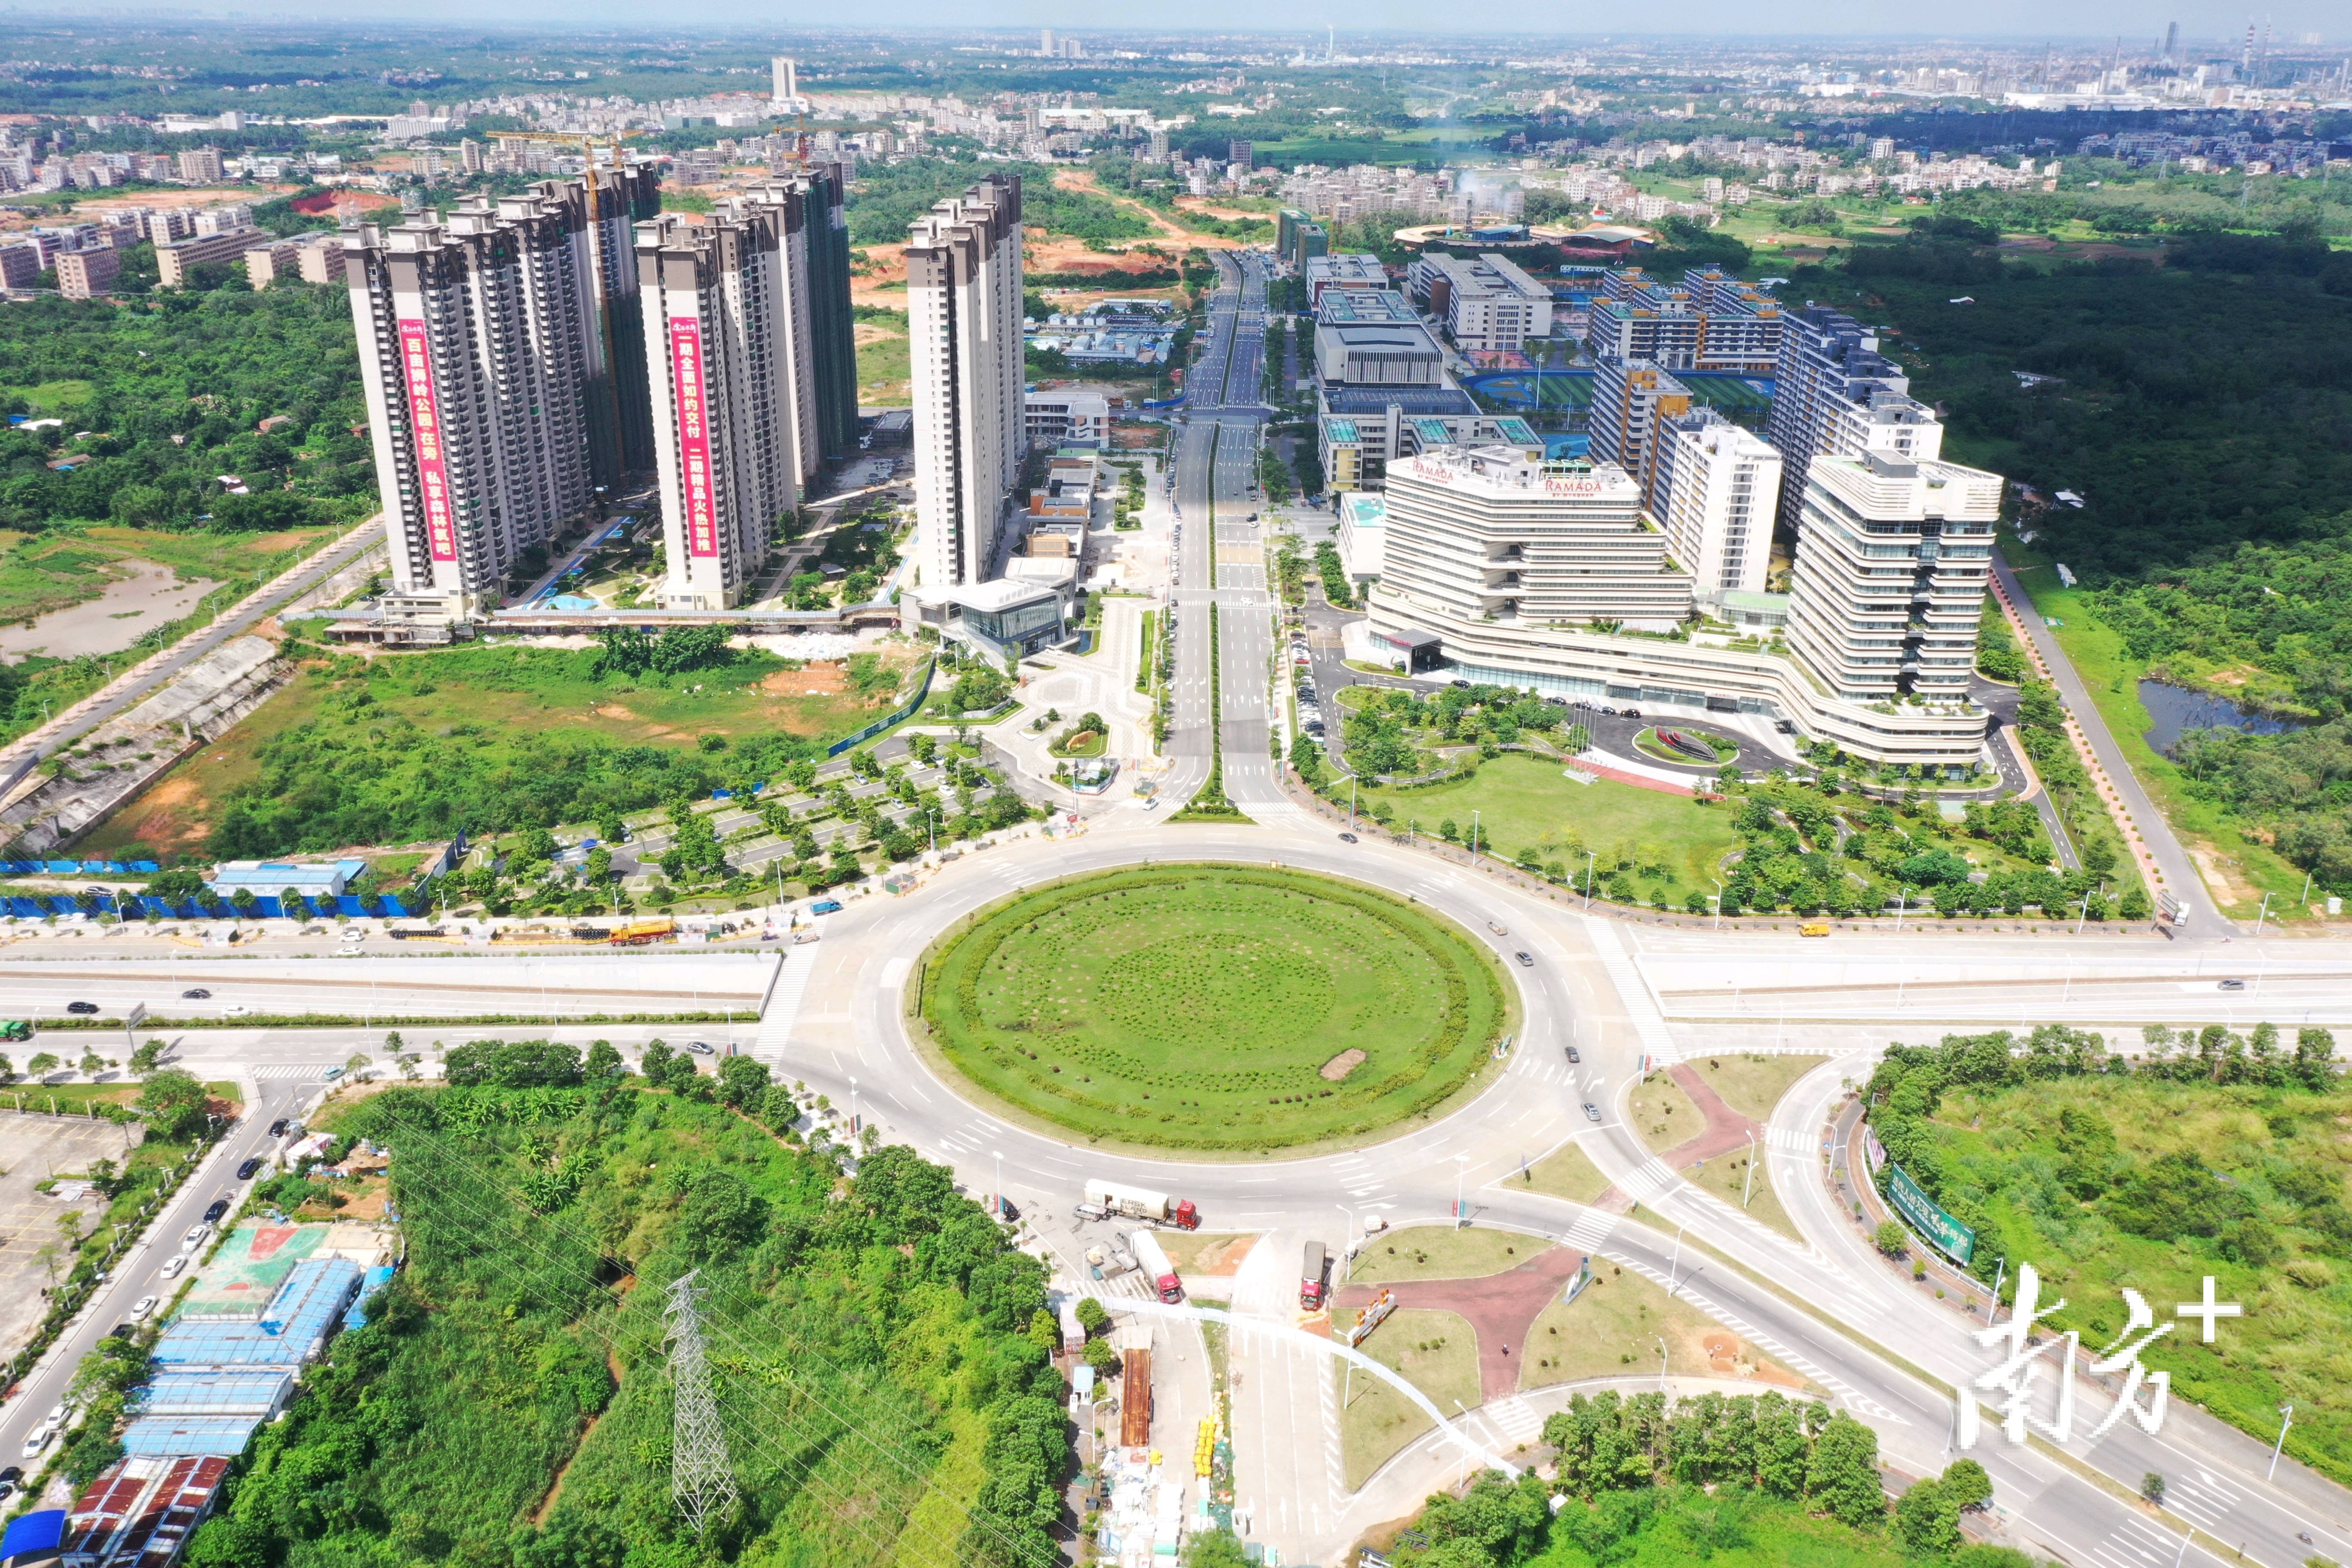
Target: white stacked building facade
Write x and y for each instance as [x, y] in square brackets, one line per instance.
[963, 313]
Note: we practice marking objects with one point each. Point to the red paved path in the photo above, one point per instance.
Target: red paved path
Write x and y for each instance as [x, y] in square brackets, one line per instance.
[1725, 1128]
[1500, 1307]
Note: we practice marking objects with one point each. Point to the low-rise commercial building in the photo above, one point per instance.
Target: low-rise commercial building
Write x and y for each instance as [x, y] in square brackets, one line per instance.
[1061, 417]
[1348, 270]
[1362, 536]
[87, 274]
[175, 261]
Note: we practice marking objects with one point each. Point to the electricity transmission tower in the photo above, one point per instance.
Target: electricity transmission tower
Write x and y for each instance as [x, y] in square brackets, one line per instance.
[700, 1481]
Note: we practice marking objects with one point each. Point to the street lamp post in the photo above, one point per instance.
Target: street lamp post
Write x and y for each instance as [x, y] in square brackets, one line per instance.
[1673, 1269]
[2083, 915]
[1718, 901]
[1461, 1164]
[1474, 837]
[853, 1111]
[1661, 1363]
[1749, 1191]
[1998, 1275]
[2264, 914]
[2286, 1419]
[1588, 880]
[998, 1196]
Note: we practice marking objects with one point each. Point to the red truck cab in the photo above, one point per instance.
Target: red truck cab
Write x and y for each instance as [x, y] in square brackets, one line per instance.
[1185, 1215]
[1311, 1278]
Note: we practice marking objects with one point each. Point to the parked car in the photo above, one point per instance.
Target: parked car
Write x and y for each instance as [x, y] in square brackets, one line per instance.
[1459, 684]
[83, 1008]
[278, 1128]
[195, 993]
[36, 1442]
[244, 1171]
[195, 1236]
[172, 1264]
[143, 1308]
[213, 1210]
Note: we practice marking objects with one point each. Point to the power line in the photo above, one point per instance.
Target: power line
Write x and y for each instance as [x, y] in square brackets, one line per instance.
[701, 1483]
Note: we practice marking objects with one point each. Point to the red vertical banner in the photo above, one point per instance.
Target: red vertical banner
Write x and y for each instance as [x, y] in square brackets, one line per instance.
[424, 425]
[693, 437]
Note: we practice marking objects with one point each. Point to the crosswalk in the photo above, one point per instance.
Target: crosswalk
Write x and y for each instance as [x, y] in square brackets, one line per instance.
[1590, 1229]
[279, 1072]
[1648, 1179]
[784, 1005]
[2139, 1544]
[1793, 1141]
[1515, 1419]
[1641, 1009]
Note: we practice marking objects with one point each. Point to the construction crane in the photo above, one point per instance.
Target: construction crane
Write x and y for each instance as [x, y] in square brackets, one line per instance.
[589, 142]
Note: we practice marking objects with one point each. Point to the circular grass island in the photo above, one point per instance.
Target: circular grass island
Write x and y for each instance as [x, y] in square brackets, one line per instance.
[1212, 1008]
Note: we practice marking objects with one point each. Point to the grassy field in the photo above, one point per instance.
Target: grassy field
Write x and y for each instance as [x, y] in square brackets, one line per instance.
[1568, 1172]
[1522, 800]
[1727, 1177]
[1663, 1114]
[883, 367]
[1214, 1007]
[1752, 1085]
[1437, 1353]
[1614, 1328]
[2238, 867]
[1440, 1252]
[495, 697]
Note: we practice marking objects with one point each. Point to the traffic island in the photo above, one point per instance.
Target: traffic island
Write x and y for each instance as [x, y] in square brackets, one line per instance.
[1206, 1006]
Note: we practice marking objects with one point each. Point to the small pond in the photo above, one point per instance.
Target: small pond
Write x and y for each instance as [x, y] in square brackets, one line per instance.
[2175, 708]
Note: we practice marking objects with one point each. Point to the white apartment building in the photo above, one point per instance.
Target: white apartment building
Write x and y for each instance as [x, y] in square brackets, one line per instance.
[1890, 579]
[1716, 490]
[719, 342]
[474, 357]
[963, 311]
[1490, 533]
[1486, 303]
[1066, 414]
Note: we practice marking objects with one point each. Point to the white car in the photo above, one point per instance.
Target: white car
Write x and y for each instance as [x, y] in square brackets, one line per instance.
[236, 1010]
[347, 953]
[354, 933]
[172, 1264]
[36, 1442]
[143, 1308]
[195, 1236]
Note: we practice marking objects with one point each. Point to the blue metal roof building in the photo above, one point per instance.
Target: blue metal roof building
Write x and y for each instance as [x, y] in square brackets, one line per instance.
[293, 1328]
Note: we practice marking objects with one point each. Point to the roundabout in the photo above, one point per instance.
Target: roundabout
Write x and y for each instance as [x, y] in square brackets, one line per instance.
[1212, 1008]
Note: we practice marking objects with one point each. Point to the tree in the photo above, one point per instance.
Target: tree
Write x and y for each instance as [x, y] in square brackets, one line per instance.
[1890, 1239]
[742, 1080]
[144, 1059]
[654, 1062]
[604, 1061]
[1093, 1317]
[1841, 1475]
[172, 1103]
[1927, 1519]
[92, 1063]
[720, 1216]
[43, 1064]
[1101, 1357]
[2151, 1487]
[1214, 1549]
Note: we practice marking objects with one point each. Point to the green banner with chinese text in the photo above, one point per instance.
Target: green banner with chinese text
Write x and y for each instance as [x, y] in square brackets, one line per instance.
[1947, 1233]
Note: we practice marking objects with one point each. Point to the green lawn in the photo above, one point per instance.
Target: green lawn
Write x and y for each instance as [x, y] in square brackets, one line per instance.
[883, 366]
[1752, 1085]
[1214, 1007]
[1568, 1173]
[2238, 868]
[1437, 1353]
[1440, 1252]
[1618, 1327]
[1522, 801]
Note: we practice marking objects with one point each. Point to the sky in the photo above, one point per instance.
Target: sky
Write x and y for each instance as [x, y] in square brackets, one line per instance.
[2021, 22]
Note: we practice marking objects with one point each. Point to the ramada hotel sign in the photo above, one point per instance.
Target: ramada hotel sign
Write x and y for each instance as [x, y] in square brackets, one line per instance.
[424, 425]
[693, 437]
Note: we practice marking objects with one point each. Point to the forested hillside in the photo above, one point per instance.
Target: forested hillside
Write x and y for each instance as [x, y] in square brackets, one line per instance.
[879, 1355]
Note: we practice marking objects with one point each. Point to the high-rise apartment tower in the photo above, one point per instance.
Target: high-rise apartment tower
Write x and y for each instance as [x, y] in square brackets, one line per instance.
[475, 356]
[963, 311]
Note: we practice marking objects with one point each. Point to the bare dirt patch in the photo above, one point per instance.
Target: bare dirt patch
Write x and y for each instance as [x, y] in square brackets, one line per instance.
[613, 710]
[814, 680]
[2220, 873]
[1341, 1065]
